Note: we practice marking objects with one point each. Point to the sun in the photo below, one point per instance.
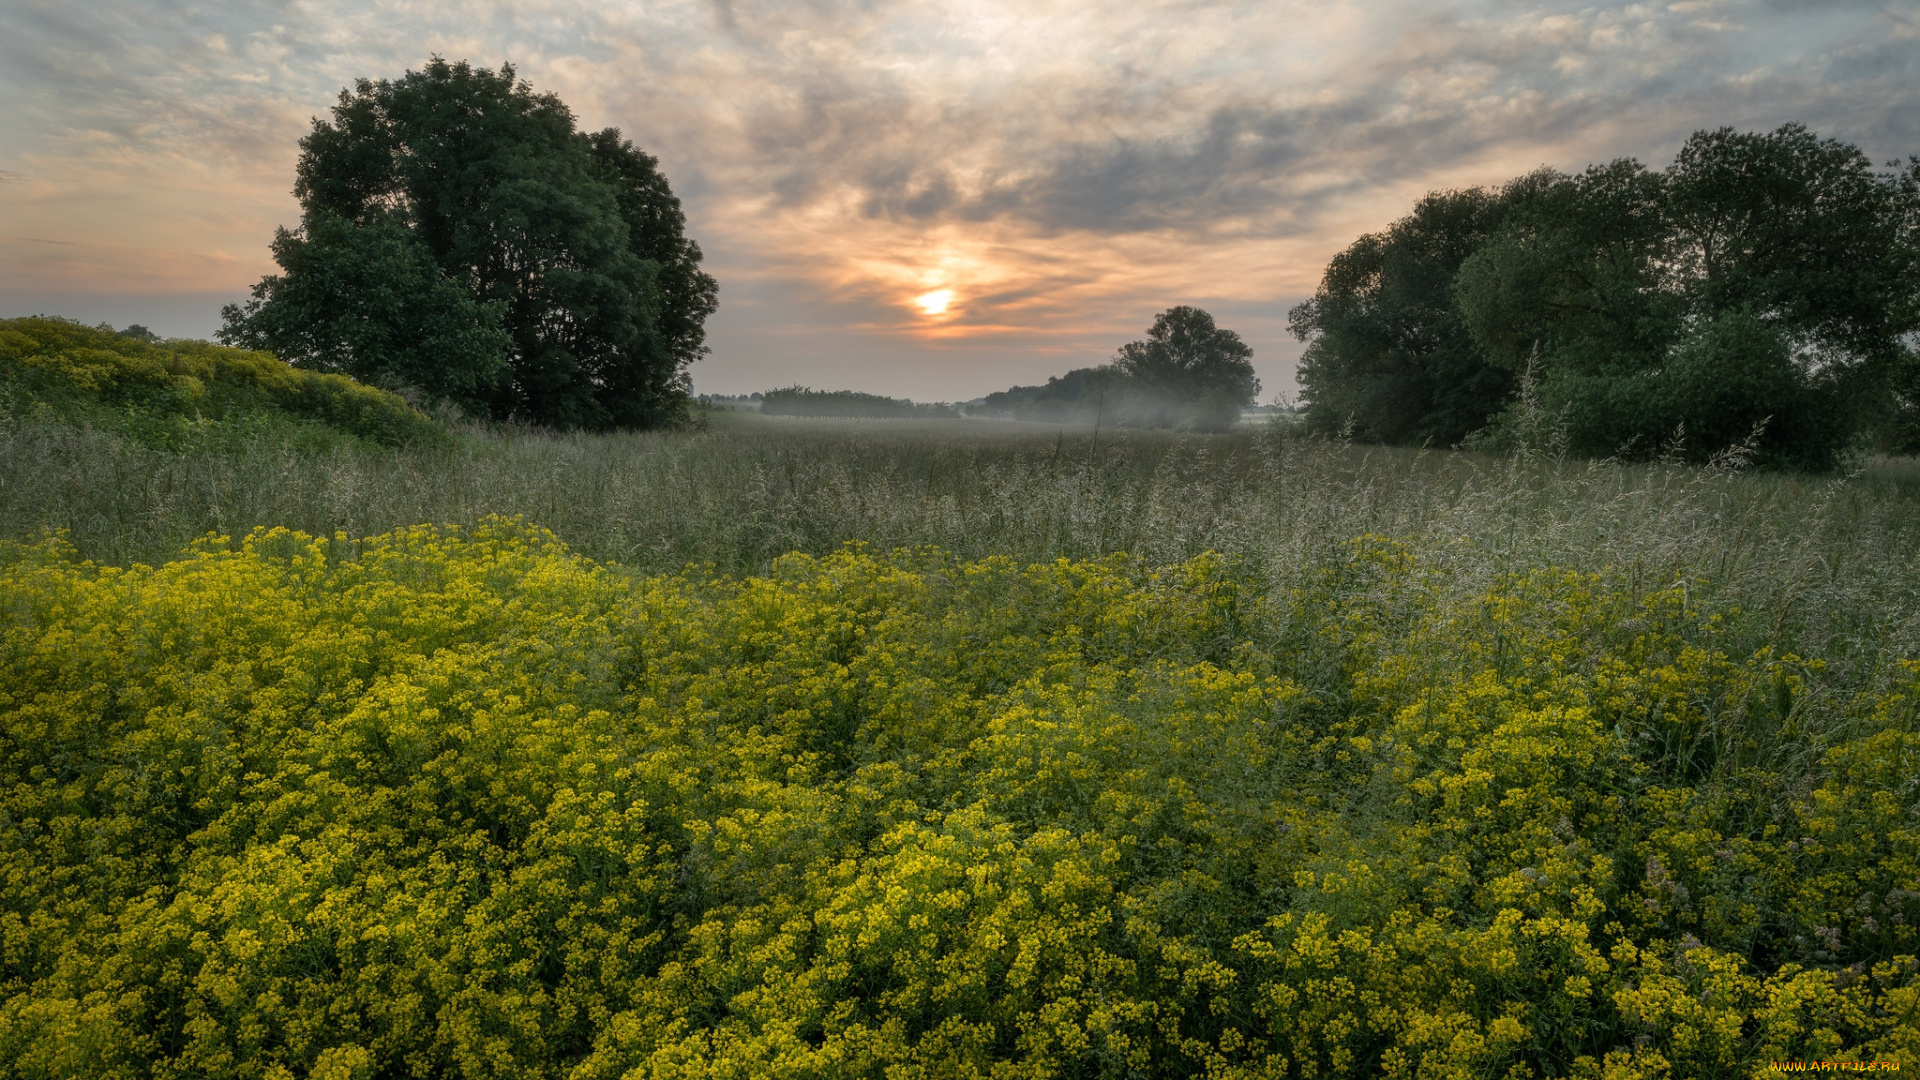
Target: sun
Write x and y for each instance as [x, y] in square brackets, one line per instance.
[935, 302]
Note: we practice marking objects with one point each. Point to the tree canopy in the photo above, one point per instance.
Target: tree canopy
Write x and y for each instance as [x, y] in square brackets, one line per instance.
[459, 234]
[1387, 348]
[1761, 282]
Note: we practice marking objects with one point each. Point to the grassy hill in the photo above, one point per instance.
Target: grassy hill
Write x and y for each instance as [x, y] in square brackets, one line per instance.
[178, 394]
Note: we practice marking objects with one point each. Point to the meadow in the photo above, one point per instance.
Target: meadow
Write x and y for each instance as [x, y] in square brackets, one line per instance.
[901, 749]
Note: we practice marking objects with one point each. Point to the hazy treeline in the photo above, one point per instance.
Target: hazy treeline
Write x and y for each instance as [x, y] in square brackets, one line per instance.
[727, 401]
[1188, 372]
[1761, 281]
[849, 404]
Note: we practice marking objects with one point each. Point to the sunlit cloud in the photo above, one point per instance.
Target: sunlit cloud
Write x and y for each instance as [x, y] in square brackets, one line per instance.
[931, 199]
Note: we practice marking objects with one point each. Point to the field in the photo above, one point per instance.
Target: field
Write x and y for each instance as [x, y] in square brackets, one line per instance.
[947, 749]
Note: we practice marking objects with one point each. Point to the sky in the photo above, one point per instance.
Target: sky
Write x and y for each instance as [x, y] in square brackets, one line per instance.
[933, 200]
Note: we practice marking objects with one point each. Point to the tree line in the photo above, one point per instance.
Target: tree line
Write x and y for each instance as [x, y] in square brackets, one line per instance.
[800, 400]
[1762, 290]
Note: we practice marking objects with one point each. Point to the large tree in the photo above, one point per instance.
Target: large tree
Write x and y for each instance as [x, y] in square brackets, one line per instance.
[563, 252]
[1762, 281]
[1388, 355]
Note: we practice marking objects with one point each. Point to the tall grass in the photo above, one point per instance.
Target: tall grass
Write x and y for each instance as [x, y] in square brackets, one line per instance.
[753, 488]
[1821, 564]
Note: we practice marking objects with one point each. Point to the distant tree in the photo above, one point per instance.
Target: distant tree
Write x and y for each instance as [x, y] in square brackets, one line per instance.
[1082, 395]
[848, 404]
[1188, 372]
[1202, 373]
[475, 200]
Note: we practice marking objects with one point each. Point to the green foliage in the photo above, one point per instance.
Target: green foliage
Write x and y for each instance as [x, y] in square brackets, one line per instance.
[368, 301]
[1729, 382]
[461, 190]
[182, 394]
[1801, 232]
[1762, 283]
[1755, 285]
[438, 803]
[1572, 277]
[1903, 431]
[656, 228]
[848, 404]
[1187, 373]
[1387, 355]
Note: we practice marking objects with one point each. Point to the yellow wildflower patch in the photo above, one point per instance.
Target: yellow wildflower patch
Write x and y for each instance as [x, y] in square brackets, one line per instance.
[454, 802]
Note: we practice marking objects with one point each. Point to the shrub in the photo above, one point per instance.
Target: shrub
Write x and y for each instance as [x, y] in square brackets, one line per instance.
[161, 391]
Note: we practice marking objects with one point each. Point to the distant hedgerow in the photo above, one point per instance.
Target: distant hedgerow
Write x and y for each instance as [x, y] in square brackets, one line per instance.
[849, 404]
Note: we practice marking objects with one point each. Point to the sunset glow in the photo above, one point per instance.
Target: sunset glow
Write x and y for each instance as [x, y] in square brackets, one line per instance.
[1035, 179]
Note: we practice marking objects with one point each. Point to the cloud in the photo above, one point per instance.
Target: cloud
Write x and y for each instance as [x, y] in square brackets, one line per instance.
[1067, 168]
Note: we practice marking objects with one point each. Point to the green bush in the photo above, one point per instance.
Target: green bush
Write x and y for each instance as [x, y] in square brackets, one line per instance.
[450, 804]
[170, 393]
